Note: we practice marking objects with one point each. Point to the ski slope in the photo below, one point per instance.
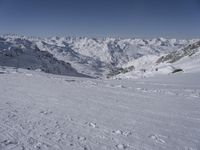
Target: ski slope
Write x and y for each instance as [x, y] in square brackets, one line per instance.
[41, 111]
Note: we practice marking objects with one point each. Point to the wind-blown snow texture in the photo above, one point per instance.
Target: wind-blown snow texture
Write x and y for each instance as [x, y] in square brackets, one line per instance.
[47, 112]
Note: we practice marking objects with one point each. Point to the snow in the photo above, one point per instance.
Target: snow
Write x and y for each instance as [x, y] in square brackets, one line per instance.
[145, 104]
[186, 59]
[190, 64]
[98, 57]
[22, 53]
[95, 56]
[40, 111]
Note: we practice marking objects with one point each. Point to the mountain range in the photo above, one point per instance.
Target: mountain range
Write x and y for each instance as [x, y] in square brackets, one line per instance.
[101, 57]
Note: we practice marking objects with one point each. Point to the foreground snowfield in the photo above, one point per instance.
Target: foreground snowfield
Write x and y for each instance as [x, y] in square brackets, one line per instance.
[48, 112]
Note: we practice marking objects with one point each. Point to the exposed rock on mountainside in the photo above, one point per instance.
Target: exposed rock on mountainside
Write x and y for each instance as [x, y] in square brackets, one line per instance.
[177, 55]
[117, 71]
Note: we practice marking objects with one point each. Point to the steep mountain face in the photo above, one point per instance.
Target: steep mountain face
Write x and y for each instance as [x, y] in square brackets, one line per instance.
[110, 57]
[22, 53]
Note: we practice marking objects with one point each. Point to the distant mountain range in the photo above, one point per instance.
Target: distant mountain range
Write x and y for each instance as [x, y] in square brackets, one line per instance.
[100, 57]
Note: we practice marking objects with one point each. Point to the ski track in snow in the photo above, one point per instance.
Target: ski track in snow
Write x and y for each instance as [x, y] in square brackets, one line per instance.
[48, 112]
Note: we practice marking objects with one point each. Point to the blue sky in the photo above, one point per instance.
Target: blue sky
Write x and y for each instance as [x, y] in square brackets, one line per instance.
[100, 18]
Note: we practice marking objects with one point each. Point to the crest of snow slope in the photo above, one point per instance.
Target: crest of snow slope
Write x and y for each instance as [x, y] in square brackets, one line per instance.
[21, 53]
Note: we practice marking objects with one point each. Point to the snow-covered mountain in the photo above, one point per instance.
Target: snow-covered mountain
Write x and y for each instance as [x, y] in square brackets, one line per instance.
[177, 55]
[99, 56]
[22, 53]
[109, 57]
[186, 59]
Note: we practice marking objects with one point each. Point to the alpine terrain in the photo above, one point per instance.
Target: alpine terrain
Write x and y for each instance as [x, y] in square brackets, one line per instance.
[79, 93]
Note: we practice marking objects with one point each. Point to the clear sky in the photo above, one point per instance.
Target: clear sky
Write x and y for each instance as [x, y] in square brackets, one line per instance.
[100, 18]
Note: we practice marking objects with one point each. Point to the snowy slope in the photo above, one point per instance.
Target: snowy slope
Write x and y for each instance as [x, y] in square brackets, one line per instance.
[48, 112]
[185, 60]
